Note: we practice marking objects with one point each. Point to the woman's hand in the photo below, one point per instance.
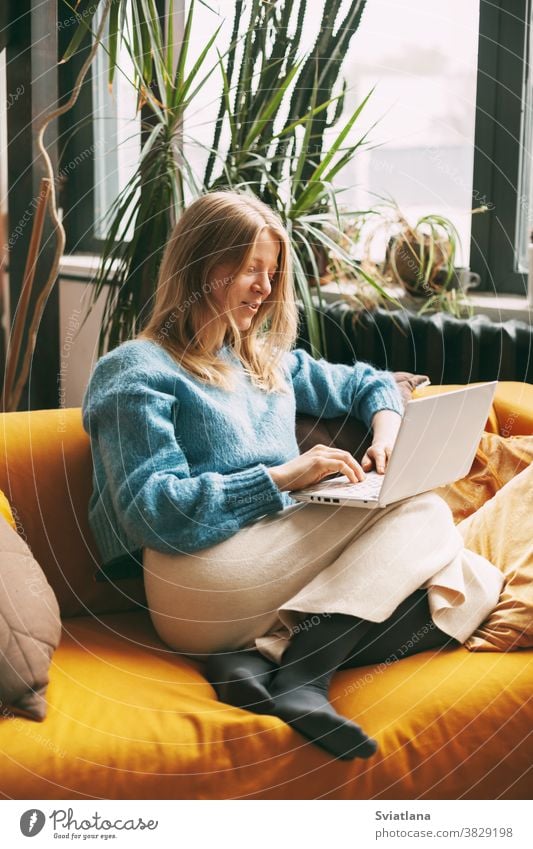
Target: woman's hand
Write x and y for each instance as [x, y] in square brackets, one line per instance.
[385, 426]
[314, 465]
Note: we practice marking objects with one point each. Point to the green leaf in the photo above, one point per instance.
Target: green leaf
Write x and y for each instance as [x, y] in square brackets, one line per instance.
[84, 26]
[291, 127]
[182, 90]
[304, 151]
[270, 107]
[342, 254]
[225, 94]
[318, 290]
[320, 169]
[343, 160]
[135, 48]
[152, 34]
[184, 47]
[112, 43]
[142, 47]
[302, 286]
[169, 55]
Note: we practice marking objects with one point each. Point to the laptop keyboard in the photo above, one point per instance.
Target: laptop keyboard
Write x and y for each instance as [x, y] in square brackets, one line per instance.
[367, 489]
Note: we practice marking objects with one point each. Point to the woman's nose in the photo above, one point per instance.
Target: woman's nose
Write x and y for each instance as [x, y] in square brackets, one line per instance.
[262, 284]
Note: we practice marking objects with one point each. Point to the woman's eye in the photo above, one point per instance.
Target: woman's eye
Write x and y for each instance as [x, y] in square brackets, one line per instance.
[253, 270]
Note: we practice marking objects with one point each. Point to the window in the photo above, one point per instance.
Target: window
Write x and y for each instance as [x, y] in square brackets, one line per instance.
[99, 139]
[450, 134]
[117, 134]
[503, 145]
[525, 193]
[423, 64]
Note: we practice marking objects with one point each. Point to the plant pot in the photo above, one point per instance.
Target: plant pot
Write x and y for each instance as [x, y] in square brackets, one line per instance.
[407, 261]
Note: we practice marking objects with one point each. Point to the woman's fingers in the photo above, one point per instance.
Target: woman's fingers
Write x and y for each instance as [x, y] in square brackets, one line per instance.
[349, 460]
[380, 459]
[366, 462]
[314, 465]
[341, 462]
[380, 455]
[355, 475]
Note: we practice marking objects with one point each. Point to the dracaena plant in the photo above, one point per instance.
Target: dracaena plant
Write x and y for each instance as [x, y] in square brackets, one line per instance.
[279, 102]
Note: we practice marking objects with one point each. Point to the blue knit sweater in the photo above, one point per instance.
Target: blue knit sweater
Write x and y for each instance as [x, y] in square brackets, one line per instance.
[180, 465]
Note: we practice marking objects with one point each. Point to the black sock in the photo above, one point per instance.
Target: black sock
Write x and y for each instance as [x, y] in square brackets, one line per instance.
[240, 678]
[409, 630]
[300, 687]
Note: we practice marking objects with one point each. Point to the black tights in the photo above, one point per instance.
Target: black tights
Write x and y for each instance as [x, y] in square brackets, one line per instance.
[409, 630]
[297, 690]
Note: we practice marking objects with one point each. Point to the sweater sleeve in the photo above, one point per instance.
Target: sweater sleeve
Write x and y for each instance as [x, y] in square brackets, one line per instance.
[156, 500]
[329, 389]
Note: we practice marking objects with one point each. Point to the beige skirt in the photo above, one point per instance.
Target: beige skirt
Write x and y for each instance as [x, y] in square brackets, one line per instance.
[253, 589]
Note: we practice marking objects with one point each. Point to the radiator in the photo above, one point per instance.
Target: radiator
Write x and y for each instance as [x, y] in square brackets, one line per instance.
[447, 349]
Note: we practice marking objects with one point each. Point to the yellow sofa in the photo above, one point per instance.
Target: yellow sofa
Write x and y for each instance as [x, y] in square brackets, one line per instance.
[130, 719]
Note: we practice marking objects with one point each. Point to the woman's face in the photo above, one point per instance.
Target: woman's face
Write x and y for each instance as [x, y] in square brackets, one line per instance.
[251, 286]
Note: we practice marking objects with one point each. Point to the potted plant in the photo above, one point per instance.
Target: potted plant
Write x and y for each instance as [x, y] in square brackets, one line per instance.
[420, 261]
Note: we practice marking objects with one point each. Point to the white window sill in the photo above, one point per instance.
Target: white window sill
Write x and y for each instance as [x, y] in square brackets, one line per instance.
[79, 266]
[494, 306]
[502, 307]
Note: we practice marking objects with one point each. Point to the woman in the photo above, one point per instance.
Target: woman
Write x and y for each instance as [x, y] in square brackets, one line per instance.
[193, 437]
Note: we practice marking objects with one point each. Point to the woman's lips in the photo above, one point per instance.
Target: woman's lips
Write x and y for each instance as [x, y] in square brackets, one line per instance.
[252, 307]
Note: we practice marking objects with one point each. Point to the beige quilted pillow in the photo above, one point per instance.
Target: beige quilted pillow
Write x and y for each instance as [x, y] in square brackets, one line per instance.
[30, 628]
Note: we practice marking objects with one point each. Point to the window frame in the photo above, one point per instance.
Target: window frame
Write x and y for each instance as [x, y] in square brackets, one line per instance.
[77, 136]
[504, 46]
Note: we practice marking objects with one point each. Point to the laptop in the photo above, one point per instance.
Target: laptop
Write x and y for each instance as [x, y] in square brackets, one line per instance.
[435, 446]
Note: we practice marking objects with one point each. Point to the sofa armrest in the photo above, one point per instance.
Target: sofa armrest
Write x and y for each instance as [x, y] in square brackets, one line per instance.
[512, 408]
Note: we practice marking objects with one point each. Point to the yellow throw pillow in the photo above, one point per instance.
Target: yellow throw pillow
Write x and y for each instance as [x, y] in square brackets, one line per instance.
[501, 530]
[5, 510]
[498, 460]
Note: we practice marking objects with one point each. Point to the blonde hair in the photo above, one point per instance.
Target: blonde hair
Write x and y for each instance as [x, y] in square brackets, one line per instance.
[221, 227]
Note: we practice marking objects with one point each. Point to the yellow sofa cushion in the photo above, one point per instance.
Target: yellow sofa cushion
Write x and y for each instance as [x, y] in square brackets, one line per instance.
[129, 718]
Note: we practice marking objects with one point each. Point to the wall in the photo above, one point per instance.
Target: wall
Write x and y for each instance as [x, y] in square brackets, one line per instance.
[78, 344]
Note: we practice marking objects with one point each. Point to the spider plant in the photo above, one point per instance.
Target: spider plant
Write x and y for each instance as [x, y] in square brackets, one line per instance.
[419, 257]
